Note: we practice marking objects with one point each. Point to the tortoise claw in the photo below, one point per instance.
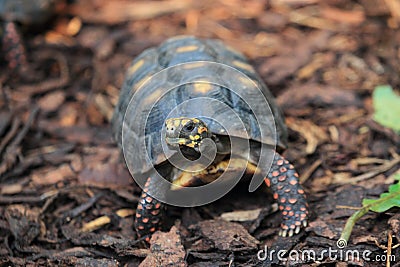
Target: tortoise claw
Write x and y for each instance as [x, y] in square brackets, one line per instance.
[290, 233]
[283, 233]
[297, 230]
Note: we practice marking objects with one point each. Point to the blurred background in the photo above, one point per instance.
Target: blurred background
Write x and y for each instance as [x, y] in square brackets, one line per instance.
[60, 169]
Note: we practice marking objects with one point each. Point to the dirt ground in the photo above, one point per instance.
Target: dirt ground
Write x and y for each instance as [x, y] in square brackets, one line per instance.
[66, 197]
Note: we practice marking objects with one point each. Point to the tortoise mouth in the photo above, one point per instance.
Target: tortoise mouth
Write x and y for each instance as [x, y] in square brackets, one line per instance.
[175, 141]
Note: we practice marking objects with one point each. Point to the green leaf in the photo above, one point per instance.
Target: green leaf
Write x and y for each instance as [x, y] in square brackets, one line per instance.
[387, 107]
[383, 203]
[386, 200]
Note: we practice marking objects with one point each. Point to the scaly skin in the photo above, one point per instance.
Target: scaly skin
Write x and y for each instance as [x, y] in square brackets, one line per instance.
[149, 213]
[284, 183]
[282, 180]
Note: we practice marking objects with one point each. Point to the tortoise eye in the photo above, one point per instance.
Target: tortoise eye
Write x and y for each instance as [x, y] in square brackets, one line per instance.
[189, 127]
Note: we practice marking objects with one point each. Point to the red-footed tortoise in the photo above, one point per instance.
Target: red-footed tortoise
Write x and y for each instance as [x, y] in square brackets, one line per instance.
[187, 133]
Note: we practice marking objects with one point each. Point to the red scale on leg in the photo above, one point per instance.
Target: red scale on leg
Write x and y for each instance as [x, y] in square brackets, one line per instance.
[283, 180]
[148, 213]
[155, 212]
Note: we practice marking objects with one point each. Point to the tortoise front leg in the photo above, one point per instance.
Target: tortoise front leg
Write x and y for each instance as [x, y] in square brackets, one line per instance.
[284, 183]
[149, 212]
[13, 49]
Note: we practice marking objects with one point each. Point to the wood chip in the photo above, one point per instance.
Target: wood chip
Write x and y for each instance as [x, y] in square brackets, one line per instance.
[11, 189]
[52, 101]
[227, 235]
[95, 224]
[113, 12]
[314, 134]
[49, 176]
[241, 215]
[166, 249]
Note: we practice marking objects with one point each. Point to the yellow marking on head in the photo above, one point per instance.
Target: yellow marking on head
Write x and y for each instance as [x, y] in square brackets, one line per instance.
[193, 65]
[191, 144]
[195, 120]
[169, 123]
[182, 141]
[187, 48]
[152, 98]
[200, 130]
[132, 69]
[191, 137]
[184, 121]
[242, 65]
[202, 88]
[196, 137]
[177, 123]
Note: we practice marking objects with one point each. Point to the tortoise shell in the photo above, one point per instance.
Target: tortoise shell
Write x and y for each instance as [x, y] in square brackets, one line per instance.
[27, 11]
[154, 100]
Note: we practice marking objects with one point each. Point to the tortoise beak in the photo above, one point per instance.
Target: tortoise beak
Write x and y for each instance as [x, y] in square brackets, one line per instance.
[175, 142]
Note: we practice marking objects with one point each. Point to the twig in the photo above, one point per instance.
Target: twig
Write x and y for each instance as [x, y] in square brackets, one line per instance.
[12, 152]
[81, 208]
[385, 167]
[304, 177]
[50, 84]
[389, 248]
[13, 131]
[373, 172]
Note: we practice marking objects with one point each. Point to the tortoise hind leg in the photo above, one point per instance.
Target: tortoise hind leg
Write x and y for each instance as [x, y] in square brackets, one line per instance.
[284, 183]
[149, 213]
[13, 48]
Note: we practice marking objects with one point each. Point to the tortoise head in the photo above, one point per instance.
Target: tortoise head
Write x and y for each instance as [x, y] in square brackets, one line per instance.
[185, 132]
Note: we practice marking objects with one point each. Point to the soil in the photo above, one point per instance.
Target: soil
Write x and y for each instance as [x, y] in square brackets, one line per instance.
[67, 198]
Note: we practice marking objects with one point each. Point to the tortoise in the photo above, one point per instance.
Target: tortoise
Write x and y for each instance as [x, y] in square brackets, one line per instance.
[186, 130]
[20, 12]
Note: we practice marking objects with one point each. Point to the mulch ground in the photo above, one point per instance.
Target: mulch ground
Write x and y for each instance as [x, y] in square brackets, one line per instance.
[66, 197]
